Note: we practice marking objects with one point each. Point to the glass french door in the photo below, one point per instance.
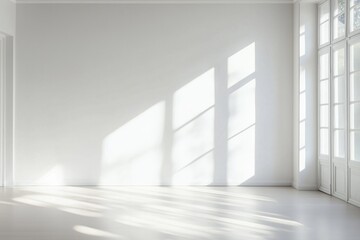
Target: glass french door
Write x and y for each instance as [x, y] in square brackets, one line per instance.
[338, 123]
[324, 169]
[354, 120]
[339, 99]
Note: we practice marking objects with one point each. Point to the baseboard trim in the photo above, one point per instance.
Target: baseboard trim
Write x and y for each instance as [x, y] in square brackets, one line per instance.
[307, 188]
[161, 185]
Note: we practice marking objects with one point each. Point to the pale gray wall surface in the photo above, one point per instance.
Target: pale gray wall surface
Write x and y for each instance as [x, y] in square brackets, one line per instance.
[111, 94]
[7, 17]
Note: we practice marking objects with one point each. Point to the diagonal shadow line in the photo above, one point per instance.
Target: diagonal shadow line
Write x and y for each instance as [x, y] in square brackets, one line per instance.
[237, 134]
[241, 83]
[193, 161]
[193, 118]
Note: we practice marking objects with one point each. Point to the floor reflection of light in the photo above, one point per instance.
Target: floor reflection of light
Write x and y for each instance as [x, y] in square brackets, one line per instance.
[185, 212]
[81, 212]
[95, 232]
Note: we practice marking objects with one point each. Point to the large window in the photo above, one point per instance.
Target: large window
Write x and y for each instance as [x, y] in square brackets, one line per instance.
[339, 99]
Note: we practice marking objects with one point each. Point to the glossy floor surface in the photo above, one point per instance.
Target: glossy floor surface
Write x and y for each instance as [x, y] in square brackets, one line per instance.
[149, 213]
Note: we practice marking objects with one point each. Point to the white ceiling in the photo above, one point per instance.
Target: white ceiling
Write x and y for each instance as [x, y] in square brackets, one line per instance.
[153, 1]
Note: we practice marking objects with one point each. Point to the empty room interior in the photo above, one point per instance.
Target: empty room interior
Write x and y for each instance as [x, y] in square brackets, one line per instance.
[179, 119]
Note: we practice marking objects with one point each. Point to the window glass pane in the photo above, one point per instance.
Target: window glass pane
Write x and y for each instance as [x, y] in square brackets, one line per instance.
[324, 141]
[355, 87]
[339, 90]
[324, 12]
[339, 62]
[353, 2]
[339, 7]
[339, 116]
[339, 26]
[355, 57]
[324, 91]
[355, 116]
[324, 33]
[355, 146]
[339, 143]
[324, 116]
[324, 66]
[355, 18]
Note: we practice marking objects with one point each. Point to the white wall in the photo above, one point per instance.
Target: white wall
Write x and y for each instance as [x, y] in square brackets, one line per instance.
[7, 17]
[305, 96]
[154, 94]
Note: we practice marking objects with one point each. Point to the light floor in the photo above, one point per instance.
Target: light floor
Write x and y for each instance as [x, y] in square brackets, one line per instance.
[149, 213]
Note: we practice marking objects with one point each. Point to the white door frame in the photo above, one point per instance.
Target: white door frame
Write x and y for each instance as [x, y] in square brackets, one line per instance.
[2, 108]
[6, 111]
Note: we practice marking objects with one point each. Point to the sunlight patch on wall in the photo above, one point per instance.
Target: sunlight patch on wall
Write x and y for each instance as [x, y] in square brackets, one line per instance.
[198, 172]
[194, 98]
[302, 119]
[192, 141]
[241, 145]
[302, 106]
[241, 65]
[302, 41]
[242, 108]
[302, 159]
[54, 176]
[193, 121]
[133, 153]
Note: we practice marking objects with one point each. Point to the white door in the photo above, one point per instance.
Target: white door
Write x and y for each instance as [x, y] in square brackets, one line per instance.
[339, 123]
[354, 121]
[324, 121]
